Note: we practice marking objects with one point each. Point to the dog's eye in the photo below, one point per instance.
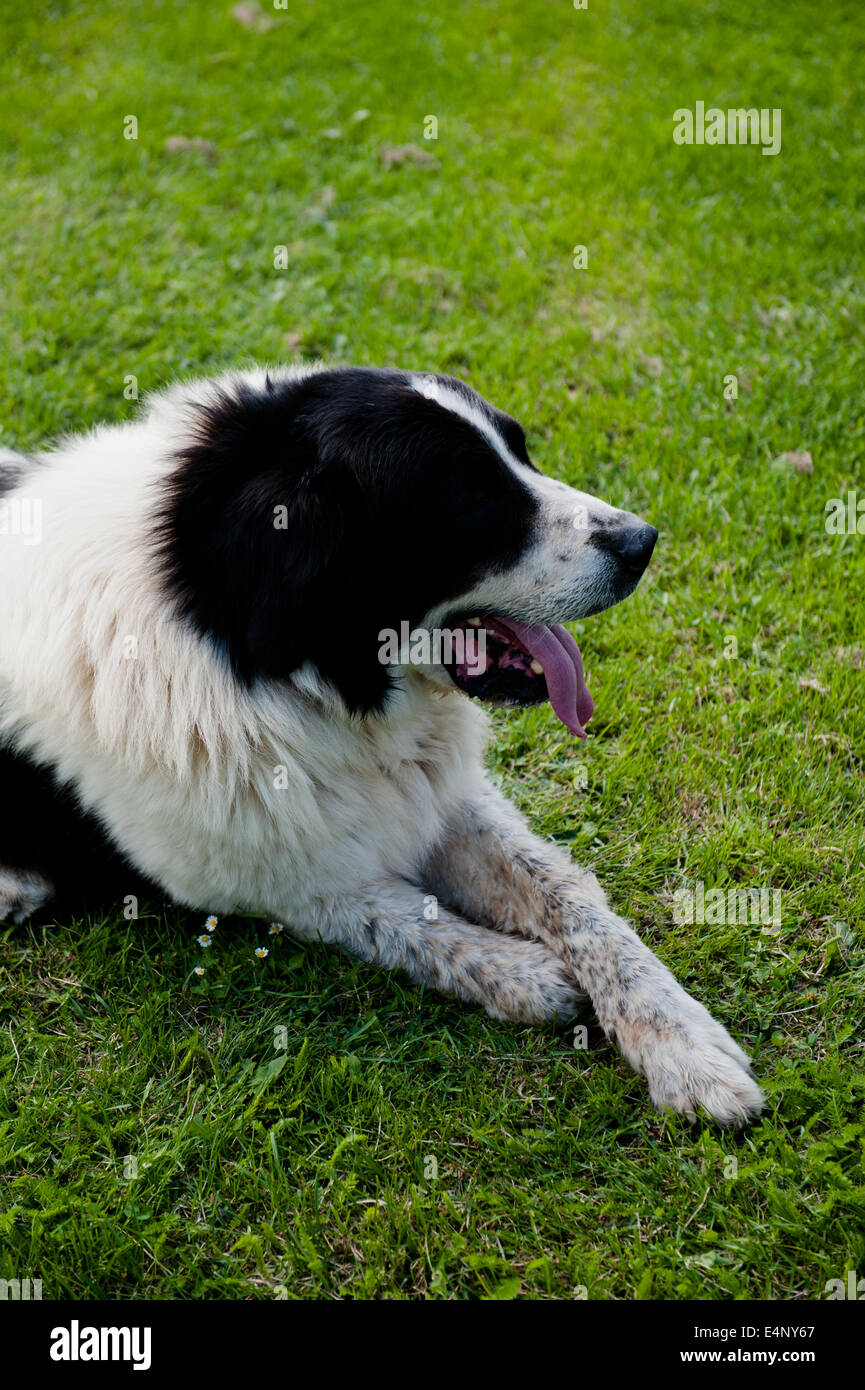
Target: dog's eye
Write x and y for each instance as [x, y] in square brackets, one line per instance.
[480, 509]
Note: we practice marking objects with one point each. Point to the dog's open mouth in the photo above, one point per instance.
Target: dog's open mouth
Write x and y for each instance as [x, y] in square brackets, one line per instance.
[512, 663]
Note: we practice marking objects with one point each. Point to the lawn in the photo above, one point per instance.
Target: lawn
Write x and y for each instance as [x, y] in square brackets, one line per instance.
[304, 1126]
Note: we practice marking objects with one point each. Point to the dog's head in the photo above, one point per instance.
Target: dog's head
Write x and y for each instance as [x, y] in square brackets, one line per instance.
[311, 515]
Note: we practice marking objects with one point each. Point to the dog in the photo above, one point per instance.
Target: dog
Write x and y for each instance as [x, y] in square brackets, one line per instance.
[194, 700]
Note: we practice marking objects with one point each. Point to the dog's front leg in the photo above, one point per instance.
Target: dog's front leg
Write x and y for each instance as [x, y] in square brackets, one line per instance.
[393, 923]
[494, 869]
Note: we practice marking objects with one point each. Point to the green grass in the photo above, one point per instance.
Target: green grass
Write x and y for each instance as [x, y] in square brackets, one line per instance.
[304, 1168]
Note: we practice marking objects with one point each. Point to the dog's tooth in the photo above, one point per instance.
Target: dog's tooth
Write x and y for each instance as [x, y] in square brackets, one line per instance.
[473, 622]
[536, 666]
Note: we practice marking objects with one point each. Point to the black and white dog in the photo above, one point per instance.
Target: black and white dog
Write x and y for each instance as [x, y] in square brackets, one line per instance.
[194, 698]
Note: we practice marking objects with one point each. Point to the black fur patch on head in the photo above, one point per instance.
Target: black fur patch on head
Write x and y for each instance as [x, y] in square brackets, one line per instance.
[306, 516]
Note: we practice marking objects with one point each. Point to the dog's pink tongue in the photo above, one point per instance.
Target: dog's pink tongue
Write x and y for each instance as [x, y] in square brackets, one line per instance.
[558, 653]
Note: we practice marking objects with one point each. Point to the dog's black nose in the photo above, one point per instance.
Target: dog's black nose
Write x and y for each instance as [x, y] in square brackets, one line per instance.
[631, 545]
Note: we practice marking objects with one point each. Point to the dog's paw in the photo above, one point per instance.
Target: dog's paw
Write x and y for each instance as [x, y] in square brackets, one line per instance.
[21, 894]
[533, 986]
[695, 1065]
[689, 1060]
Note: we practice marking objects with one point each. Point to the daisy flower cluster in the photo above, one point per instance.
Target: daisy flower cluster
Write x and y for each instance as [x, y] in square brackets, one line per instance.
[205, 940]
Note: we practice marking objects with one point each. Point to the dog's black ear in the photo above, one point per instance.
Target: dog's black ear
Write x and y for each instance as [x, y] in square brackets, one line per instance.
[263, 543]
[279, 544]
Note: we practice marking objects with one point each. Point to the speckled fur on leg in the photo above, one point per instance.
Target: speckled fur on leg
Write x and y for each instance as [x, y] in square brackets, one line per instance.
[513, 979]
[493, 868]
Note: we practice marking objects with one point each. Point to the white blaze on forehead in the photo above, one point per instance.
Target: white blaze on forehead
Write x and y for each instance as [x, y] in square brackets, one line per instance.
[458, 404]
[556, 496]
